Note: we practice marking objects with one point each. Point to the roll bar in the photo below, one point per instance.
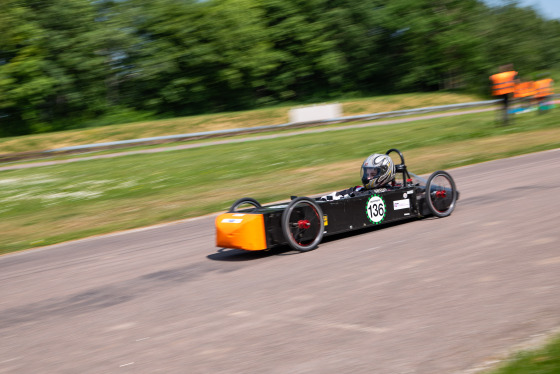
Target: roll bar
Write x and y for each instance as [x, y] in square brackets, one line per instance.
[401, 168]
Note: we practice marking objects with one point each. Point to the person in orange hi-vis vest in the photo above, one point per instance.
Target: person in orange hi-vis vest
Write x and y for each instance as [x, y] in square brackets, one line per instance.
[543, 91]
[524, 93]
[503, 86]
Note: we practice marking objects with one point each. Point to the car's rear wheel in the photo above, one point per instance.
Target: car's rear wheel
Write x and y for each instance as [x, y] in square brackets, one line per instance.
[245, 204]
[302, 224]
[441, 194]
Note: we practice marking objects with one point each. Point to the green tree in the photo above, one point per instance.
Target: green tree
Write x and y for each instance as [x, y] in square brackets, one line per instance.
[518, 35]
[432, 44]
[24, 82]
[66, 62]
[356, 64]
[200, 56]
[59, 63]
[310, 64]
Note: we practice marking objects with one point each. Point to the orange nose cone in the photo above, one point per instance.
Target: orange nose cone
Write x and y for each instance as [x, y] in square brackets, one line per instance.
[241, 231]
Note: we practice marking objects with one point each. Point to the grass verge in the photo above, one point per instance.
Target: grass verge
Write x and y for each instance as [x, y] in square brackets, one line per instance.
[545, 360]
[47, 205]
[193, 143]
[221, 121]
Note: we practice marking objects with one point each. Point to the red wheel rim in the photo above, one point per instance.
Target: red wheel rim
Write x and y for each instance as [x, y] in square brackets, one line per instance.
[305, 225]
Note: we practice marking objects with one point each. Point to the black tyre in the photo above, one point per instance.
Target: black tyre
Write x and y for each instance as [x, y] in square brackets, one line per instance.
[245, 204]
[441, 194]
[302, 224]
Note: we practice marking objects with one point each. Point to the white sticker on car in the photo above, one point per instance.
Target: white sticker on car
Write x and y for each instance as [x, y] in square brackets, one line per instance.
[401, 204]
[232, 220]
[375, 209]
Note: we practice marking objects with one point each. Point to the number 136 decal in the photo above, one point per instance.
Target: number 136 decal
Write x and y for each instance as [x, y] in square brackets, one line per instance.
[375, 209]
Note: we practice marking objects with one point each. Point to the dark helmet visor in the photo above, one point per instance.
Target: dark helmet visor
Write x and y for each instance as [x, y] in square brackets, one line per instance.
[369, 173]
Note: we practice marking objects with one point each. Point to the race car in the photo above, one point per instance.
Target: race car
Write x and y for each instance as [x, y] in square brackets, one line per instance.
[304, 221]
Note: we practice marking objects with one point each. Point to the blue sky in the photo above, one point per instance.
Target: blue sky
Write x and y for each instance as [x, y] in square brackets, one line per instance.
[547, 8]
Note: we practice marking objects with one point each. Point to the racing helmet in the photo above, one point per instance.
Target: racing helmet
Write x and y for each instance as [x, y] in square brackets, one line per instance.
[377, 170]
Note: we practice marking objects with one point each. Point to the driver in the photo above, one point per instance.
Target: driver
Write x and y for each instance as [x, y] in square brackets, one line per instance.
[377, 171]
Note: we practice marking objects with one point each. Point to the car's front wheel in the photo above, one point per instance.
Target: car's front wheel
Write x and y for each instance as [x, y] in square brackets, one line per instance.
[302, 224]
[441, 194]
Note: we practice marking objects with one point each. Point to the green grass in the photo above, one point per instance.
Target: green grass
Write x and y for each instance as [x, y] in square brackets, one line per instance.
[170, 146]
[182, 125]
[545, 360]
[46, 205]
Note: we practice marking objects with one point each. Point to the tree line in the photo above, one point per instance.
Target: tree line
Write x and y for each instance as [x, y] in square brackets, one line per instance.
[73, 63]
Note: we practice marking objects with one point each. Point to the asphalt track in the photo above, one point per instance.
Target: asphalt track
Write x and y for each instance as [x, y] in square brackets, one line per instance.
[430, 296]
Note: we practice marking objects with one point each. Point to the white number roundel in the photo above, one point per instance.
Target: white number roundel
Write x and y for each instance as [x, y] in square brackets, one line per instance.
[375, 209]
